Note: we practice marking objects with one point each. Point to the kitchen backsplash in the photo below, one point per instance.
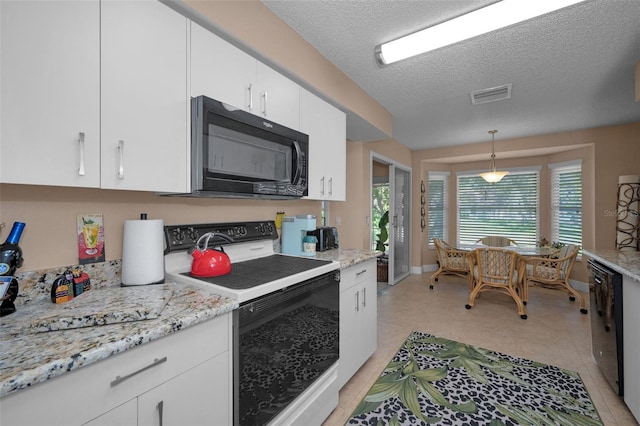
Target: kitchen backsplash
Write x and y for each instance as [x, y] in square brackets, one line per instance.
[35, 286]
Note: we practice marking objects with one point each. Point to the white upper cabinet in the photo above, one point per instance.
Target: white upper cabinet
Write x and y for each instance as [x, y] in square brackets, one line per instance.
[144, 100]
[326, 127]
[279, 97]
[50, 80]
[221, 71]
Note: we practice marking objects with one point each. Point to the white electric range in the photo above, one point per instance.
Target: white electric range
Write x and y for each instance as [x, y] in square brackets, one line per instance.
[286, 330]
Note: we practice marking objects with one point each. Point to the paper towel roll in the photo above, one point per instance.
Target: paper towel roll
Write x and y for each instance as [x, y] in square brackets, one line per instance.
[627, 237]
[142, 252]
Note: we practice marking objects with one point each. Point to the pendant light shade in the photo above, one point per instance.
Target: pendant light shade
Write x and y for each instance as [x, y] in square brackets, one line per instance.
[492, 176]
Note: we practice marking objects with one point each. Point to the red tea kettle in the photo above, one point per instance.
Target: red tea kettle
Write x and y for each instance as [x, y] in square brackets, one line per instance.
[210, 262]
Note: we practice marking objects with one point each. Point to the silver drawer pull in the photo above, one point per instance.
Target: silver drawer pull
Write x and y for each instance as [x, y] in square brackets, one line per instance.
[361, 272]
[160, 407]
[120, 379]
[81, 142]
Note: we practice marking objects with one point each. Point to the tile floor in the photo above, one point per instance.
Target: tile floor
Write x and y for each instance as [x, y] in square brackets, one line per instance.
[555, 333]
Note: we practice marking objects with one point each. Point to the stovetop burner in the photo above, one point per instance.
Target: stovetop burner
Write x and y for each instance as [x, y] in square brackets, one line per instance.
[255, 272]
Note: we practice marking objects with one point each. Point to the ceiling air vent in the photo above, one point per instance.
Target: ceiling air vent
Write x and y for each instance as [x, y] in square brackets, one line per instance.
[493, 94]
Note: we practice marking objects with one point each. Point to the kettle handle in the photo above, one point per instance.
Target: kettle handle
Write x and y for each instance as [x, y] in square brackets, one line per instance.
[206, 237]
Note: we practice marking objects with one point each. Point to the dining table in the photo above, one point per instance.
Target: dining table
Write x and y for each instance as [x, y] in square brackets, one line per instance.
[521, 250]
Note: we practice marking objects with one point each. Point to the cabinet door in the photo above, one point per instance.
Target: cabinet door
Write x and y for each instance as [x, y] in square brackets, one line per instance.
[144, 97]
[358, 318]
[124, 415]
[279, 97]
[199, 396]
[335, 135]
[349, 359]
[221, 71]
[50, 101]
[369, 315]
[326, 127]
[631, 343]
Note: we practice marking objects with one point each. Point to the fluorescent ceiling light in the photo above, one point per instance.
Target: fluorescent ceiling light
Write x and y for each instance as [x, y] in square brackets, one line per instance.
[490, 18]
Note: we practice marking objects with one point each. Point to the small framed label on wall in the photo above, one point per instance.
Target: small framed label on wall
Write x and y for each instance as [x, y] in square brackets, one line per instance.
[90, 238]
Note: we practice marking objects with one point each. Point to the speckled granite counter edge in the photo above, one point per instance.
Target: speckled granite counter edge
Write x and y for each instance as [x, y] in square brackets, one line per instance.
[195, 307]
[347, 257]
[29, 358]
[625, 262]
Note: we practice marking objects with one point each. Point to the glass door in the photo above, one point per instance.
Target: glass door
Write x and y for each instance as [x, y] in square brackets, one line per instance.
[399, 220]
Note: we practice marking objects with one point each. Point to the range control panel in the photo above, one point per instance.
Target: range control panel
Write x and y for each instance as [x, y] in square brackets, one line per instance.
[184, 237]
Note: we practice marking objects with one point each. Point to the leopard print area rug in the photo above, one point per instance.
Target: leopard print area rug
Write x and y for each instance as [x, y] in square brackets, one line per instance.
[433, 380]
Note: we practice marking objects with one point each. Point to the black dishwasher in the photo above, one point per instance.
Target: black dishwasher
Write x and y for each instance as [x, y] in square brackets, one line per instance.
[605, 291]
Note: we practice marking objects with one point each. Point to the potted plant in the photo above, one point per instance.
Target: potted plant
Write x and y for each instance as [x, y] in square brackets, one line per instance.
[381, 245]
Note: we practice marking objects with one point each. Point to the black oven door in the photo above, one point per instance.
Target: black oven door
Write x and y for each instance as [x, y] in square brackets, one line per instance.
[236, 152]
[283, 342]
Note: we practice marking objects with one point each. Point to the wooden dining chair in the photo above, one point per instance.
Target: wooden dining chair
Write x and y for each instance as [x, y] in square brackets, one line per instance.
[451, 261]
[496, 241]
[498, 269]
[554, 271]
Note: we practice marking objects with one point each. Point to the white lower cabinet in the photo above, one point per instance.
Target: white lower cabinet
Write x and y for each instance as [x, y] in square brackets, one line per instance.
[358, 318]
[184, 378]
[189, 399]
[631, 343]
[123, 415]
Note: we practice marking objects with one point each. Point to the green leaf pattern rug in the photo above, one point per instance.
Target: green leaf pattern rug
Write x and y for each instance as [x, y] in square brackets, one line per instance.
[433, 380]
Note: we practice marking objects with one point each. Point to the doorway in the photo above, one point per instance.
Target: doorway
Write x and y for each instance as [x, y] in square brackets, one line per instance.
[390, 217]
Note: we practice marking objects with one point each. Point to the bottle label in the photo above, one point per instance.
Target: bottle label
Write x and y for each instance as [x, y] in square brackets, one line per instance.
[5, 282]
[4, 268]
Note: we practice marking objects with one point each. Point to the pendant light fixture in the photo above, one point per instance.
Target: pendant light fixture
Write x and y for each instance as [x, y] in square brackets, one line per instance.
[492, 176]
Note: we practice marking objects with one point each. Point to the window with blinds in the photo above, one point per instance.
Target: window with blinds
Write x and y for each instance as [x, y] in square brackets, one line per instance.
[508, 208]
[566, 203]
[438, 205]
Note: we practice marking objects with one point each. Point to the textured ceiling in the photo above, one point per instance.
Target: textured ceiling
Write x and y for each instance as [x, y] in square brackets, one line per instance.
[570, 69]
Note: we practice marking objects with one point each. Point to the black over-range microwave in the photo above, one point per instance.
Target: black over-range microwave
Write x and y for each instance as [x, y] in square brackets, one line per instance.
[240, 155]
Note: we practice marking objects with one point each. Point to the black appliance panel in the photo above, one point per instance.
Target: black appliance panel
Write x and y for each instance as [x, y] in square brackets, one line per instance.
[605, 294]
[255, 272]
[237, 154]
[283, 342]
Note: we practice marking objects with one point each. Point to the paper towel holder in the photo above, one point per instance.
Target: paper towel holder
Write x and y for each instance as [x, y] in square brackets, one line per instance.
[142, 252]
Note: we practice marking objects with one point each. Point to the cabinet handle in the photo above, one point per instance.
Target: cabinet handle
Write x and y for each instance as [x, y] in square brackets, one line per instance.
[264, 109]
[357, 301]
[120, 379]
[160, 407]
[361, 272]
[322, 184]
[364, 297]
[81, 145]
[121, 159]
[250, 89]
[330, 186]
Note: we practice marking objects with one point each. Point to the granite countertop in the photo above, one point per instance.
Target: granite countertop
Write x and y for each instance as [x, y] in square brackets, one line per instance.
[31, 355]
[625, 262]
[347, 257]
[42, 340]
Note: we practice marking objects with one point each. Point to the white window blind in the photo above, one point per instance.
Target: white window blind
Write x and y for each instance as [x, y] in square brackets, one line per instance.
[566, 202]
[438, 205]
[507, 208]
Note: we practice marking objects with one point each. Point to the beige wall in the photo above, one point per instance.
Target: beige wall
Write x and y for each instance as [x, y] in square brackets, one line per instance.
[50, 237]
[606, 153]
[355, 212]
